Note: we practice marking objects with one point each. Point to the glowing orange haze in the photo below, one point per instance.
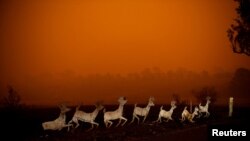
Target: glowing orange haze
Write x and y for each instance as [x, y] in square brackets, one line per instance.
[113, 36]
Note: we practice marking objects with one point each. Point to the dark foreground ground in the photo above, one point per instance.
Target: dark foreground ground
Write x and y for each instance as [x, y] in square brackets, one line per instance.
[25, 124]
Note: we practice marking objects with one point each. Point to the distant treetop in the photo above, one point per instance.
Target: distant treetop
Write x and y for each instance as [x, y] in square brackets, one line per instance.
[239, 33]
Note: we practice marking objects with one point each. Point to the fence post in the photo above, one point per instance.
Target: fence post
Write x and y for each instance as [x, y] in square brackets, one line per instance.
[231, 106]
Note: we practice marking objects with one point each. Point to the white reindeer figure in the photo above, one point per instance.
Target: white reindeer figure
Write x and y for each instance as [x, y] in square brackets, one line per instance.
[204, 109]
[117, 114]
[189, 116]
[86, 117]
[166, 114]
[138, 111]
[59, 123]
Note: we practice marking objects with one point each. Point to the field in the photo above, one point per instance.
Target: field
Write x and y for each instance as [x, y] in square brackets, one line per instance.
[25, 124]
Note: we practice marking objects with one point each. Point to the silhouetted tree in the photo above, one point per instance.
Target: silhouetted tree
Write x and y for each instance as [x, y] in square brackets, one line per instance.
[239, 34]
[240, 84]
[201, 95]
[13, 99]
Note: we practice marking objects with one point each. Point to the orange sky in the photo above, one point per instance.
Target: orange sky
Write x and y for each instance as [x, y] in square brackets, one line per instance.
[115, 36]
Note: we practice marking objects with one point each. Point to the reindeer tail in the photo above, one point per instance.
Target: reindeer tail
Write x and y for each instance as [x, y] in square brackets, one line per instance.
[135, 105]
[104, 110]
[161, 107]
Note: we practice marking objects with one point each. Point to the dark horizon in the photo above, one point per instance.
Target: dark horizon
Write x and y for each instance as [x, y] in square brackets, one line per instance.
[51, 89]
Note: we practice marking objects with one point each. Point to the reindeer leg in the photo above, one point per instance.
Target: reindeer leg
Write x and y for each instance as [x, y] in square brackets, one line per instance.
[182, 118]
[167, 120]
[207, 114]
[92, 126]
[106, 123]
[70, 122]
[144, 118]
[138, 119]
[133, 118]
[69, 125]
[192, 121]
[68, 128]
[125, 120]
[158, 120]
[97, 124]
[77, 123]
[110, 124]
[199, 115]
[119, 122]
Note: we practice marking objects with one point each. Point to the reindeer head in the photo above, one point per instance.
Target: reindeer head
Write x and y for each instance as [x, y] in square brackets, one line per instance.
[208, 102]
[122, 100]
[208, 99]
[151, 98]
[196, 109]
[151, 101]
[173, 102]
[174, 107]
[99, 105]
[63, 108]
